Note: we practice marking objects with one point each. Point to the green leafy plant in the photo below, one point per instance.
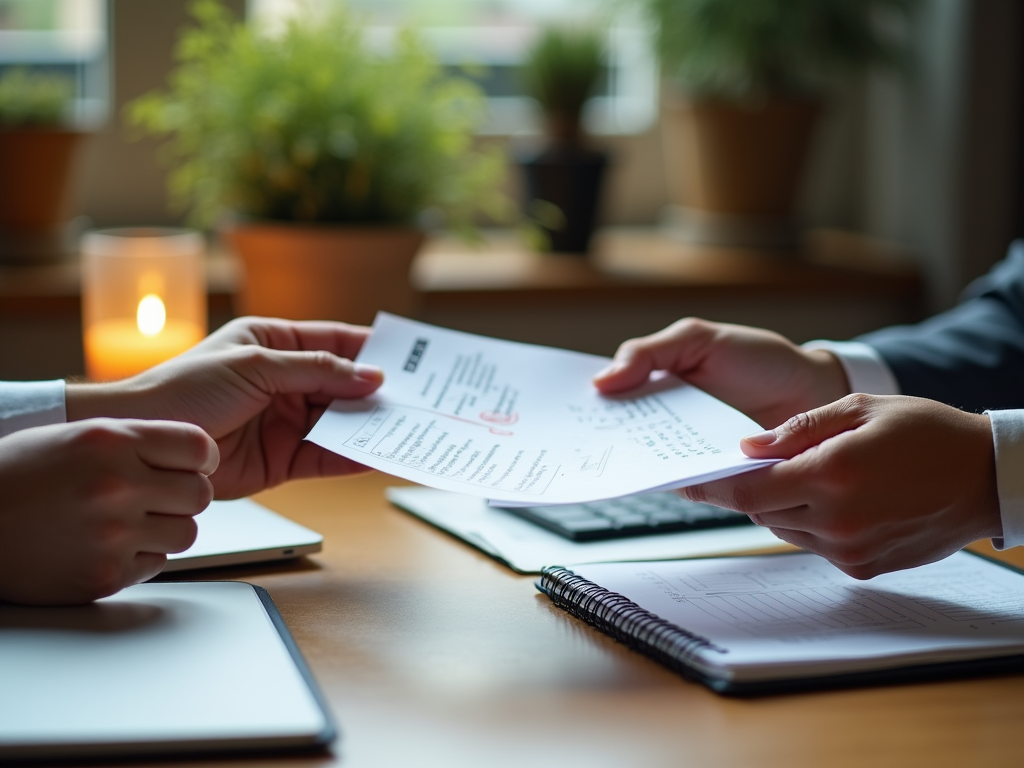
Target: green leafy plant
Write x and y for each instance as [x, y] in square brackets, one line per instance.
[34, 99]
[742, 49]
[311, 124]
[560, 71]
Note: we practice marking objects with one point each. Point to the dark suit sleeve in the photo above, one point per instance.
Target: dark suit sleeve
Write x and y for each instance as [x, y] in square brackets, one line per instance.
[972, 356]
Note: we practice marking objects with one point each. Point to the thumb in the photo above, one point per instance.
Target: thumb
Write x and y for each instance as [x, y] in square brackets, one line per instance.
[806, 430]
[630, 368]
[678, 349]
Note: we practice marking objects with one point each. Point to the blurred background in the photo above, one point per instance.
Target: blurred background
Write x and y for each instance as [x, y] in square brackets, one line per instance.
[913, 184]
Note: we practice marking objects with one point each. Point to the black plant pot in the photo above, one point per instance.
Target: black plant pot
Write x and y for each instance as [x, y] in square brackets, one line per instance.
[570, 178]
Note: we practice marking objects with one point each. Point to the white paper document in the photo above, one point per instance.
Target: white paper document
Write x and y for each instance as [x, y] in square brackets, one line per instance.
[522, 424]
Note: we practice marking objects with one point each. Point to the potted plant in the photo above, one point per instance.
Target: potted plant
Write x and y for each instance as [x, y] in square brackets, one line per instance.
[325, 151]
[748, 80]
[563, 181]
[37, 157]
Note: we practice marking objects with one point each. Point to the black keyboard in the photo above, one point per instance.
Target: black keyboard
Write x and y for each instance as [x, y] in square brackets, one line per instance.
[641, 515]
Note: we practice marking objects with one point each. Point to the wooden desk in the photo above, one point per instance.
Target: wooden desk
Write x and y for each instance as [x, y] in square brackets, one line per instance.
[432, 654]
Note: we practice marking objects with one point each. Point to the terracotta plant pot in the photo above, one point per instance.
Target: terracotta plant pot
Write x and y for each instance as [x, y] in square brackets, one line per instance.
[36, 173]
[36, 168]
[307, 272]
[739, 164]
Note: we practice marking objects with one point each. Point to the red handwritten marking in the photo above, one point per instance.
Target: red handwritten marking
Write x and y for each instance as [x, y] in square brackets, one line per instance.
[493, 430]
[499, 418]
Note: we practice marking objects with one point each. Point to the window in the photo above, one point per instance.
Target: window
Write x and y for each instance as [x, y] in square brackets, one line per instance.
[65, 36]
[495, 35]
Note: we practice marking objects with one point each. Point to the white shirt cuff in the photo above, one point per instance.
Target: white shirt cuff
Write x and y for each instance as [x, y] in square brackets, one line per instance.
[25, 404]
[1008, 436]
[866, 370]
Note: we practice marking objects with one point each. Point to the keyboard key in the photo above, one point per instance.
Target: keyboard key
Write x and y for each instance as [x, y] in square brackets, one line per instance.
[628, 520]
[584, 525]
[660, 518]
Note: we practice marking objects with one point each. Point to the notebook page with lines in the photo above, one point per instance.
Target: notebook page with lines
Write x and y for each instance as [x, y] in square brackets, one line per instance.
[743, 621]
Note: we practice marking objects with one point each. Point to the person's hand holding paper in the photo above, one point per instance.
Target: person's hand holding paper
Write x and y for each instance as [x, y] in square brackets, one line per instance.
[255, 386]
[93, 505]
[872, 483]
[521, 424]
[758, 372]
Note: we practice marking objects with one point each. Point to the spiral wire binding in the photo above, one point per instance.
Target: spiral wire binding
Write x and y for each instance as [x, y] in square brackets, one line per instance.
[624, 620]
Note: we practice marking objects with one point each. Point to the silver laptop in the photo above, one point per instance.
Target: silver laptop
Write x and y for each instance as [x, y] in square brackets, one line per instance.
[155, 670]
[242, 531]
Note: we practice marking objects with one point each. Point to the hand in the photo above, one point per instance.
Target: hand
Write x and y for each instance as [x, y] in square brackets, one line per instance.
[91, 507]
[873, 484]
[256, 386]
[755, 371]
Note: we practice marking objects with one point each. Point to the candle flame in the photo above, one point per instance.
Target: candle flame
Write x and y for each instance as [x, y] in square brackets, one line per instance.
[151, 315]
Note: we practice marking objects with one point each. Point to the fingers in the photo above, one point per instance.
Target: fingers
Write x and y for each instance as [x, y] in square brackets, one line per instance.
[156, 536]
[309, 373]
[141, 559]
[813, 475]
[812, 470]
[874, 484]
[166, 534]
[144, 566]
[174, 492]
[848, 564]
[339, 339]
[806, 430]
[793, 518]
[677, 348]
[92, 506]
[764, 490]
[858, 562]
[175, 445]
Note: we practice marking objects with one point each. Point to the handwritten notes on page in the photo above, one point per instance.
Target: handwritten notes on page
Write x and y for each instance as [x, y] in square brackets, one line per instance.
[523, 425]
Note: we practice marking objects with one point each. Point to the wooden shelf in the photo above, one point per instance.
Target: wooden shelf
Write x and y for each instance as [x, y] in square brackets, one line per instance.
[635, 282]
[641, 265]
[54, 290]
[627, 265]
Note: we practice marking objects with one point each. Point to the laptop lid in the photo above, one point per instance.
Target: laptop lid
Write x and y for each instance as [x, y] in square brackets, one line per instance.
[158, 669]
[242, 531]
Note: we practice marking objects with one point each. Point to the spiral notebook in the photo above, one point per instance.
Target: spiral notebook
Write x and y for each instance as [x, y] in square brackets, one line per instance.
[773, 623]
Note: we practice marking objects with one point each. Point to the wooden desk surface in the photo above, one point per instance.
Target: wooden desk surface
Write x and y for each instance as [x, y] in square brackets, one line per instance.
[431, 654]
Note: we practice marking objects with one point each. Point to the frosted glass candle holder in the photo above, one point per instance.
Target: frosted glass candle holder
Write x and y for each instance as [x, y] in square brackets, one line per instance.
[143, 298]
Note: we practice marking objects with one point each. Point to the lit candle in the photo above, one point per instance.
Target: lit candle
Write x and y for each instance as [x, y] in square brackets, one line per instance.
[143, 299]
[116, 349]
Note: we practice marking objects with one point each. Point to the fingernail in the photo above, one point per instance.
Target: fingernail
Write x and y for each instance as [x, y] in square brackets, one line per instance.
[762, 438]
[606, 372]
[367, 372]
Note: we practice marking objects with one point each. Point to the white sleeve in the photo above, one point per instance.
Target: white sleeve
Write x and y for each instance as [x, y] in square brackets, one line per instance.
[25, 404]
[865, 369]
[1008, 436]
